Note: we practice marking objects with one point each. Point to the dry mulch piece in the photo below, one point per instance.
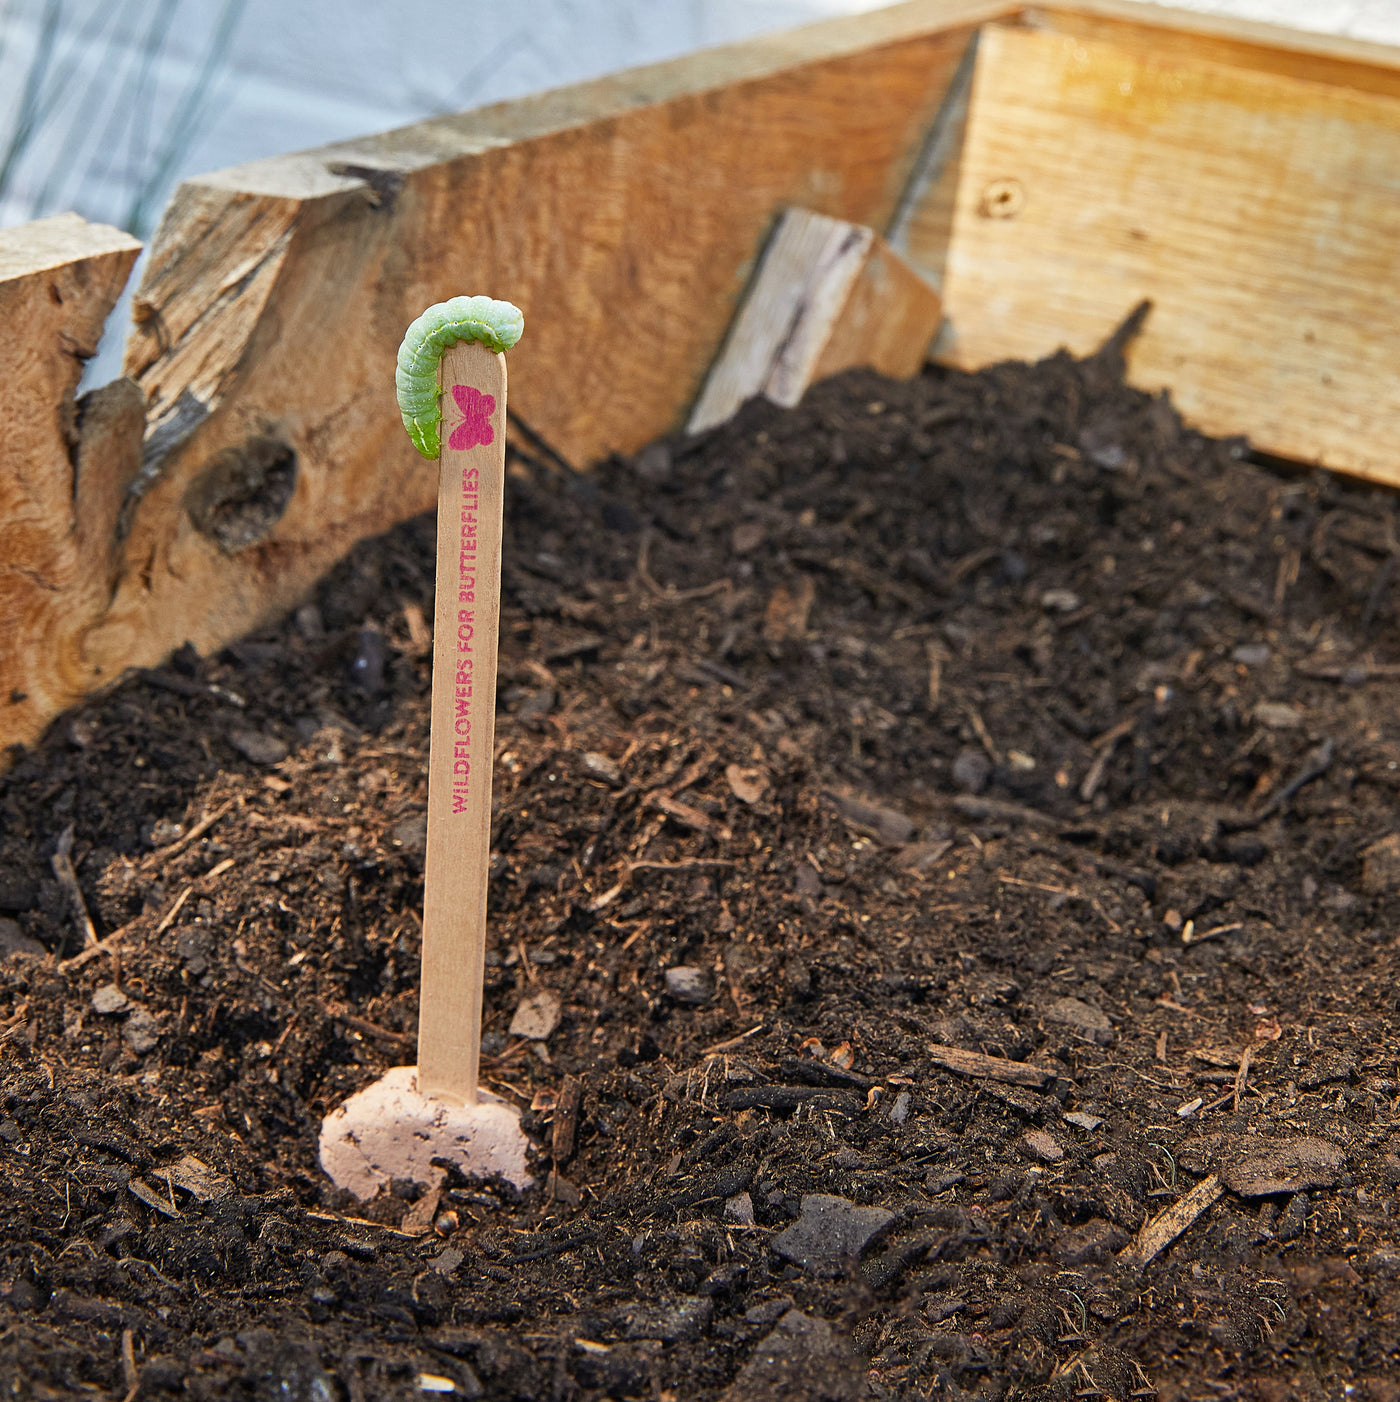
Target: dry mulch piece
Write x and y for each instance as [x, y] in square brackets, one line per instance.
[945, 892]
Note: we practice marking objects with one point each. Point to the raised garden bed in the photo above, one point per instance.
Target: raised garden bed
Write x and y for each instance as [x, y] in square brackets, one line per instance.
[945, 865]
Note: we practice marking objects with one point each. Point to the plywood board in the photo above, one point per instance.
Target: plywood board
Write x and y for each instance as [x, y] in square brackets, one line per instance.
[828, 295]
[1261, 214]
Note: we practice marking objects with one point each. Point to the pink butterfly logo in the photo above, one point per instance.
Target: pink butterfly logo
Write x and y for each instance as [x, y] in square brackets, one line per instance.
[475, 427]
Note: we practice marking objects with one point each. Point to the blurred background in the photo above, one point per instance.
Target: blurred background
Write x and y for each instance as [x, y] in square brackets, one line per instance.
[106, 104]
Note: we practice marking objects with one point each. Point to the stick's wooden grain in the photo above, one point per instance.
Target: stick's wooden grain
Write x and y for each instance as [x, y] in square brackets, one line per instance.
[466, 621]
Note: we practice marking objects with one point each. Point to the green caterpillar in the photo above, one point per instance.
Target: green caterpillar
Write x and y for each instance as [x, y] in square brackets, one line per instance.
[497, 325]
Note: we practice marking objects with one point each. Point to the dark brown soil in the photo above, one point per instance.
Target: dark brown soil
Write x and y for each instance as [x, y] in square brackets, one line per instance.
[991, 712]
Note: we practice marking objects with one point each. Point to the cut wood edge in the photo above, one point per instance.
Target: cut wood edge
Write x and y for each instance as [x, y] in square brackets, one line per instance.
[65, 467]
[827, 295]
[191, 331]
[44, 245]
[1195, 35]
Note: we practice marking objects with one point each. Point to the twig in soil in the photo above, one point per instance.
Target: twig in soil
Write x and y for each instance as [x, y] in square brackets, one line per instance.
[1351, 672]
[1385, 575]
[1040, 886]
[358, 1222]
[566, 1114]
[1189, 935]
[510, 1054]
[785, 1099]
[1105, 746]
[1289, 563]
[62, 863]
[1316, 763]
[553, 1248]
[108, 946]
[365, 1028]
[669, 592]
[130, 1376]
[687, 815]
[636, 934]
[1242, 1076]
[936, 656]
[719, 1048]
[996, 811]
[186, 686]
[960, 569]
[695, 864]
[174, 910]
[281, 1040]
[164, 854]
[992, 1068]
[613, 892]
[1164, 1229]
[984, 736]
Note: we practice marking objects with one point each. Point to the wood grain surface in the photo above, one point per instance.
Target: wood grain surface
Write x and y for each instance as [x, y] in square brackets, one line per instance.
[467, 611]
[1260, 214]
[1194, 36]
[64, 469]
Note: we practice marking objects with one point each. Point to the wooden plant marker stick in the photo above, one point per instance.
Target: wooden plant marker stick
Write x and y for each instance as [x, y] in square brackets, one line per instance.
[450, 382]
[466, 623]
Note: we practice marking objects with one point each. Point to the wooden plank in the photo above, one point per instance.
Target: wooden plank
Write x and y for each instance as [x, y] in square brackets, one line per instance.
[64, 468]
[828, 295]
[1190, 36]
[622, 215]
[1164, 34]
[1260, 214]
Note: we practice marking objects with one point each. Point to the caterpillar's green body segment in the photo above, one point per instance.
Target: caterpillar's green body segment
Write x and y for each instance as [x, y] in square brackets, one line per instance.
[497, 325]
